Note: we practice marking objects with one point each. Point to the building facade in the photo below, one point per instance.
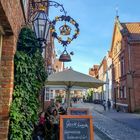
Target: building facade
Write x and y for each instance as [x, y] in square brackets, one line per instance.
[125, 52]
[102, 76]
[94, 72]
[10, 25]
[108, 78]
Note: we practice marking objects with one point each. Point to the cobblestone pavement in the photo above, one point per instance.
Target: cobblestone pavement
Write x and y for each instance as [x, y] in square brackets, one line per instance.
[113, 129]
[96, 137]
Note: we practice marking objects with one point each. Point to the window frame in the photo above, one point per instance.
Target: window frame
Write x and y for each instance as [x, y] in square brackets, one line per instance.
[125, 94]
[122, 66]
[48, 94]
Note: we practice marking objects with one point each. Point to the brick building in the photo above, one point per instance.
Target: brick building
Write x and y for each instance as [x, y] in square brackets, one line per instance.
[125, 51]
[102, 76]
[10, 25]
[99, 71]
[94, 71]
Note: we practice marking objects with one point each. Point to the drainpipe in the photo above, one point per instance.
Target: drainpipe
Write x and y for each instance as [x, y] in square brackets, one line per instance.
[129, 77]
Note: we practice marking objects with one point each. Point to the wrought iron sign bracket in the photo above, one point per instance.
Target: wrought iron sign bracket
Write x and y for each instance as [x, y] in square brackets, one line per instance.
[35, 4]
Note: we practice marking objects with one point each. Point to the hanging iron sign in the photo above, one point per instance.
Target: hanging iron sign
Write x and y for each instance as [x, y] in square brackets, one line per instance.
[65, 29]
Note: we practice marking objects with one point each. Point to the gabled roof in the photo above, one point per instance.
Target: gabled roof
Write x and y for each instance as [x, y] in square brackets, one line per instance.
[129, 29]
[133, 29]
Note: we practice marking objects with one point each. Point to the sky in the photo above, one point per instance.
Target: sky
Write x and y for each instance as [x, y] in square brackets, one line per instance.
[96, 21]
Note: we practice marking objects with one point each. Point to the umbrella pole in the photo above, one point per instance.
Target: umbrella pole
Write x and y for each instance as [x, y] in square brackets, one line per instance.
[68, 97]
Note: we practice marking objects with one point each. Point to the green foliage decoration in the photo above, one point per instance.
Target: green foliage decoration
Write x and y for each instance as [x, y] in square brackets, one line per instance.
[29, 78]
[59, 98]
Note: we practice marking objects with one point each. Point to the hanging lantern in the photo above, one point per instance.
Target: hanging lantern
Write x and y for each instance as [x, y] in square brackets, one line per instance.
[65, 30]
[65, 57]
[41, 25]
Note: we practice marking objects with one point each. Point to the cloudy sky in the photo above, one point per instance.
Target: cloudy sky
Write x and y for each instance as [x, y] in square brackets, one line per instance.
[96, 20]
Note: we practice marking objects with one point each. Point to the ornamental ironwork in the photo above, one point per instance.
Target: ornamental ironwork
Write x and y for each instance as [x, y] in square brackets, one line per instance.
[67, 31]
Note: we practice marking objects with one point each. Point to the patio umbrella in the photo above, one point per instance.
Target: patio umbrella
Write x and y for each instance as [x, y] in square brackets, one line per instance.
[70, 78]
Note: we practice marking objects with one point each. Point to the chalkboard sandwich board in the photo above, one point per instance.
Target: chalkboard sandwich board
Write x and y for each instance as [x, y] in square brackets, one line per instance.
[78, 111]
[76, 127]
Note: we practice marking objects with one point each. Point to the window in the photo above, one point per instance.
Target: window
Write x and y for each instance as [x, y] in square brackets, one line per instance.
[0, 46]
[121, 92]
[118, 92]
[122, 66]
[115, 51]
[47, 98]
[118, 46]
[48, 94]
[119, 69]
[125, 92]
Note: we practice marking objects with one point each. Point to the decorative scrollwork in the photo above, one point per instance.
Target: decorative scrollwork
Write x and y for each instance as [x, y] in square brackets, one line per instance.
[34, 6]
[70, 20]
[56, 4]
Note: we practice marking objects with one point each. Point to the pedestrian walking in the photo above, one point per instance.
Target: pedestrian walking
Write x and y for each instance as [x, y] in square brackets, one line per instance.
[108, 104]
[104, 105]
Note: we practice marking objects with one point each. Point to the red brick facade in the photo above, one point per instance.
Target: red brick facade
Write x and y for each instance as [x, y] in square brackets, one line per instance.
[11, 19]
[126, 66]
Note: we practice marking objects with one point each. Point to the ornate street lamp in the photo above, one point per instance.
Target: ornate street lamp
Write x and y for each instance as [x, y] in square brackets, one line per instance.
[38, 16]
[41, 25]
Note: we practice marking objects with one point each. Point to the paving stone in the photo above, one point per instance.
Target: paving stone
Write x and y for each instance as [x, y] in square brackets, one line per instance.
[113, 129]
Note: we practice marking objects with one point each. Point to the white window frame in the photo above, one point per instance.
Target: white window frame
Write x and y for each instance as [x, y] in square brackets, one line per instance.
[125, 92]
[49, 94]
[118, 92]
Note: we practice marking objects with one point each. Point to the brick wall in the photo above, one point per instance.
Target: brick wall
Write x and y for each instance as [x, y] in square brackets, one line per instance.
[135, 64]
[11, 20]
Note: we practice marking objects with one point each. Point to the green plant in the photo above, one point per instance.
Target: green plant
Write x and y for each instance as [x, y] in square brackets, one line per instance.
[29, 78]
[90, 94]
[59, 98]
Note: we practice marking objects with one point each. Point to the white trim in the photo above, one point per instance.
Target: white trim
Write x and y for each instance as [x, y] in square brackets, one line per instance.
[47, 92]
[125, 96]
[25, 6]
[126, 105]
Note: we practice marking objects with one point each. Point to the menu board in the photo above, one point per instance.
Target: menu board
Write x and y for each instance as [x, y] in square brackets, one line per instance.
[78, 111]
[74, 127]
